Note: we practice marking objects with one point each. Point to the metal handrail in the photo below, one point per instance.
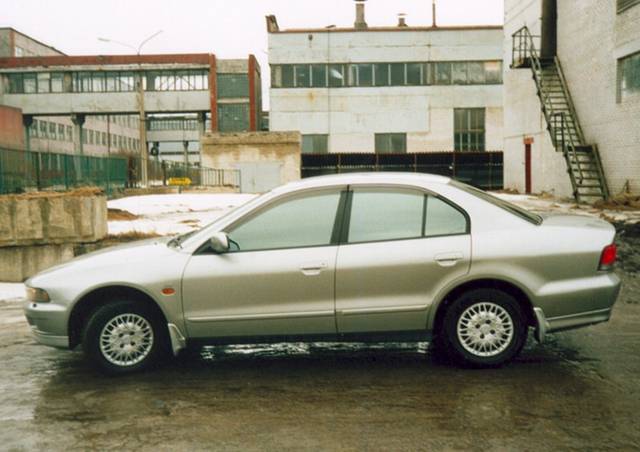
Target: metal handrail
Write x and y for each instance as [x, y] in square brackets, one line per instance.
[572, 109]
[568, 144]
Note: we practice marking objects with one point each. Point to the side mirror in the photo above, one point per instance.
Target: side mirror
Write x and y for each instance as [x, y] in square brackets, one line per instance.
[219, 242]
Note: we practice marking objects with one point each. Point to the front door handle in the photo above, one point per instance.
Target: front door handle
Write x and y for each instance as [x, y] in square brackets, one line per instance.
[448, 259]
[312, 268]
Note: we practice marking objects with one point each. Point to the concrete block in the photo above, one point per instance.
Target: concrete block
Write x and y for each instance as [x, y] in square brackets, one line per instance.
[6, 220]
[28, 219]
[52, 219]
[60, 224]
[18, 263]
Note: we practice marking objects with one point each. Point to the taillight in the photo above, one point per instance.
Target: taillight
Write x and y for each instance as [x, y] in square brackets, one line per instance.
[608, 257]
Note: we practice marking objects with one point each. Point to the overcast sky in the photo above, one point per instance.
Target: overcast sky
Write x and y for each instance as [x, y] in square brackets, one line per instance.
[228, 28]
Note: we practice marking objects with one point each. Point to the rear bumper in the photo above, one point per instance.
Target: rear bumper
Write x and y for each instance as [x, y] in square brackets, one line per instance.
[594, 304]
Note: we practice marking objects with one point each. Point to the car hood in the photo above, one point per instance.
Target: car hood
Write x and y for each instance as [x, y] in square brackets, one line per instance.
[116, 263]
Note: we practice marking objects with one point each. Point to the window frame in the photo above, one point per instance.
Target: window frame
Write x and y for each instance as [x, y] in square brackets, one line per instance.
[623, 95]
[426, 193]
[340, 190]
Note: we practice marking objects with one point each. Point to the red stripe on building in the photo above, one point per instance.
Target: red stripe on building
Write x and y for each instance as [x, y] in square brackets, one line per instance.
[252, 94]
[213, 92]
[99, 60]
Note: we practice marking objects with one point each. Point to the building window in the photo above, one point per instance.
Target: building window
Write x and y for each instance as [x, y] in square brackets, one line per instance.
[628, 76]
[315, 144]
[29, 83]
[336, 75]
[302, 77]
[469, 131]
[388, 74]
[52, 131]
[233, 117]
[414, 74]
[623, 5]
[233, 85]
[361, 75]
[69, 133]
[391, 143]
[381, 74]
[43, 129]
[319, 75]
[18, 51]
[61, 132]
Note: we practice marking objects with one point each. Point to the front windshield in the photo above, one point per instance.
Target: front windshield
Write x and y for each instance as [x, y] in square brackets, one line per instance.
[509, 207]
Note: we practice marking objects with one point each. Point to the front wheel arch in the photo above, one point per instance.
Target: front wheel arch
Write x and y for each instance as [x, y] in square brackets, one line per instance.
[94, 299]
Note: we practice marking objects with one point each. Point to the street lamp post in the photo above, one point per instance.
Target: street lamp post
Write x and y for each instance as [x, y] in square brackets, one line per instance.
[142, 123]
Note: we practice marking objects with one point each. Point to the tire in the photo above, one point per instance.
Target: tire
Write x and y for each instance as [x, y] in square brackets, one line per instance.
[123, 337]
[483, 328]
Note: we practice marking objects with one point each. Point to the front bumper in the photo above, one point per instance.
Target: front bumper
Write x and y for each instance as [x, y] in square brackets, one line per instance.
[48, 322]
[50, 339]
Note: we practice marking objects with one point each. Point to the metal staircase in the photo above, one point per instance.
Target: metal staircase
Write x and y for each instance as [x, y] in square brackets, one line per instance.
[583, 160]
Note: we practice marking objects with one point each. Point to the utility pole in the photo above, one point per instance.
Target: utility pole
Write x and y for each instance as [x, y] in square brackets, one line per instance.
[142, 126]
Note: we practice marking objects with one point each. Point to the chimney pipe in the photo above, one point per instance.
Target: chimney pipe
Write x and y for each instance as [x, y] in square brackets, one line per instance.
[433, 13]
[402, 22]
[360, 22]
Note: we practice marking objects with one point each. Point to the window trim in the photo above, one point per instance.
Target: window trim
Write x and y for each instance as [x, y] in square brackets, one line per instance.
[340, 232]
[341, 190]
[344, 233]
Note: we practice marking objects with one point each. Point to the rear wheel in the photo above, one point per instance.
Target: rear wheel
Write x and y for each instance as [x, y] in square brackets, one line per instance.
[484, 328]
[124, 336]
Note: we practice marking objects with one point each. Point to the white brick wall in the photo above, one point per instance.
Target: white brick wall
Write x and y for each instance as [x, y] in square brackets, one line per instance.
[591, 36]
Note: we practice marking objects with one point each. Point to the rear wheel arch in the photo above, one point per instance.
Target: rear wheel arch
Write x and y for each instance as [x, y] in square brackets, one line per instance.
[89, 302]
[486, 283]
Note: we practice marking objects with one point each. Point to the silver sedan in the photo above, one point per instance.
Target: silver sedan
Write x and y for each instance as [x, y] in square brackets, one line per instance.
[354, 257]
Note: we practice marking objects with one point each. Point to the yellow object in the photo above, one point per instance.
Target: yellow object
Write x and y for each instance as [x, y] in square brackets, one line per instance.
[179, 181]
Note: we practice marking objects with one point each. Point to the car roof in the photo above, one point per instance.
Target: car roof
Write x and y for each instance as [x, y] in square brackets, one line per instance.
[365, 178]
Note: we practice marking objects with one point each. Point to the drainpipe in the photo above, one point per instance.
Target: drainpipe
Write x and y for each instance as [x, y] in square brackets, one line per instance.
[548, 42]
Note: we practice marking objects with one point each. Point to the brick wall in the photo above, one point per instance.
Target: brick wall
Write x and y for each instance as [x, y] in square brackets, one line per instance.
[11, 130]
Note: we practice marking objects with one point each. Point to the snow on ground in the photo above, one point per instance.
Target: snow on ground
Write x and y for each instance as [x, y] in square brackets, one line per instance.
[11, 291]
[174, 213]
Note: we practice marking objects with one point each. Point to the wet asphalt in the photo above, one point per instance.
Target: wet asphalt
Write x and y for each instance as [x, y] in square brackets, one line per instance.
[579, 390]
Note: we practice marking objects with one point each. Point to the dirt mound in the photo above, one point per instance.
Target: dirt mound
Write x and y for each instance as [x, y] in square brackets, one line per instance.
[620, 202]
[120, 215]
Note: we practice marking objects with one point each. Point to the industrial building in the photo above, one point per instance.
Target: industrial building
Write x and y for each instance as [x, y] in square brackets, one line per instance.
[572, 97]
[396, 89]
[56, 133]
[91, 104]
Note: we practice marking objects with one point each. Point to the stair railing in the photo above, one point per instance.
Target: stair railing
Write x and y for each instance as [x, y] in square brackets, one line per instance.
[567, 96]
[524, 47]
[559, 121]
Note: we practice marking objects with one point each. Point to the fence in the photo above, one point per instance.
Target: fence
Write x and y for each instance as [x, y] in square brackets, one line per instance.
[160, 171]
[482, 169]
[22, 171]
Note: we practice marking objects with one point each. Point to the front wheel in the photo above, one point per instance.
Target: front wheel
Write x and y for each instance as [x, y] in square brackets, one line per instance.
[484, 328]
[123, 337]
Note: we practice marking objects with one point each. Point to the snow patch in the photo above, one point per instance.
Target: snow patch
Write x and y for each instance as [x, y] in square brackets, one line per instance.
[12, 291]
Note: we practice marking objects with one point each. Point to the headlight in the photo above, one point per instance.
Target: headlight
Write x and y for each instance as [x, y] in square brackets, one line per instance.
[37, 295]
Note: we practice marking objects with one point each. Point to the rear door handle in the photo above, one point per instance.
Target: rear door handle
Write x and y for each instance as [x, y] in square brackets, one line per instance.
[448, 259]
[312, 268]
